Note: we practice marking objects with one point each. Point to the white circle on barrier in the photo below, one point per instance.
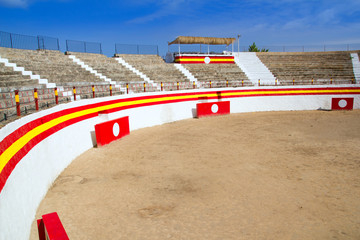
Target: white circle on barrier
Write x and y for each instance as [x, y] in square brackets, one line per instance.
[342, 103]
[214, 108]
[116, 129]
[207, 60]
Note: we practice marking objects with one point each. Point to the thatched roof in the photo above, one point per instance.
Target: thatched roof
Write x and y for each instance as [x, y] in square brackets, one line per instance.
[203, 40]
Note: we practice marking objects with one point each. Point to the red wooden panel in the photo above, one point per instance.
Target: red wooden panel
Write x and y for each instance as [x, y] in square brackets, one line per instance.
[41, 230]
[109, 131]
[342, 104]
[54, 229]
[213, 108]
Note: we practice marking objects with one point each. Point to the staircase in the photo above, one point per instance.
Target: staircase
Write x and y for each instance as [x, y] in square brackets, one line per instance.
[187, 73]
[137, 72]
[91, 70]
[154, 67]
[254, 68]
[21, 70]
[50, 65]
[356, 66]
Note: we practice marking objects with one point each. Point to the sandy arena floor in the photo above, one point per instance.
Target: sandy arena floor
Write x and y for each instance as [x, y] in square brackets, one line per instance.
[274, 175]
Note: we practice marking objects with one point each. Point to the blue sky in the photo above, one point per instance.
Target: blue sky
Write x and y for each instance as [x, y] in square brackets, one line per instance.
[266, 22]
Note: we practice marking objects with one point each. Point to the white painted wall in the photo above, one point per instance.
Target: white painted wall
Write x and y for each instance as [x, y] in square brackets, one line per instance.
[32, 177]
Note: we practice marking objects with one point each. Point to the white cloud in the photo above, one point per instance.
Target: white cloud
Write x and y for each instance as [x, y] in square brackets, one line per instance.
[14, 3]
[23, 3]
[164, 8]
[327, 16]
[296, 24]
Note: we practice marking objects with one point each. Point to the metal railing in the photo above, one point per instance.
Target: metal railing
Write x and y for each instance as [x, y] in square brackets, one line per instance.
[219, 49]
[304, 48]
[13, 40]
[45, 98]
[136, 49]
[84, 47]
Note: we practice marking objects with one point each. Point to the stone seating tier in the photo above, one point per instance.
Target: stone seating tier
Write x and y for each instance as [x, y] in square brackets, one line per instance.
[218, 72]
[108, 67]
[10, 78]
[302, 67]
[51, 65]
[154, 67]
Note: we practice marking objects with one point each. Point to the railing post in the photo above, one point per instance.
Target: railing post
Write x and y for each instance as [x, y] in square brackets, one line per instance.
[56, 96]
[36, 99]
[144, 87]
[17, 101]
[11, 42]
[127, 88]
[38, 38]
[93, 90]
[74, 92]
[110, 90]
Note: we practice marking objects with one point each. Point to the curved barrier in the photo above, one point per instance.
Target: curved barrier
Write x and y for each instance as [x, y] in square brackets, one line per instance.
[36, 148]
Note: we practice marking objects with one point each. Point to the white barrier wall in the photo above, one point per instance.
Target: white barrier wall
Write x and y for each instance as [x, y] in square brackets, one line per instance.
[30, 179]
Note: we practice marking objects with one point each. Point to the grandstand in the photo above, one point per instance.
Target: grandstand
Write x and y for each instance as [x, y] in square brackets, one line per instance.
[45, 69]
[303, 67]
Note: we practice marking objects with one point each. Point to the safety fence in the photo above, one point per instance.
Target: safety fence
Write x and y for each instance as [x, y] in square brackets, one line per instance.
[303, 48]
[219, 49]
[12, 40]
[84, 47]
[17, 103]
[23, 102]
[136, 49]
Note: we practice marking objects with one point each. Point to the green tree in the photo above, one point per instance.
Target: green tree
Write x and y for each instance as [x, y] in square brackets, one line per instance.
[254, 48]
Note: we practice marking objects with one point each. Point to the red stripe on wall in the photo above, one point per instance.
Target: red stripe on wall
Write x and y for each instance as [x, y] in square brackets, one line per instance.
[9, 167]
[211, 57]
[202, 62]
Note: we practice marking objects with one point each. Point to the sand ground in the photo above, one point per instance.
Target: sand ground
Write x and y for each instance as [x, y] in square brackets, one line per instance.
[273, 175]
